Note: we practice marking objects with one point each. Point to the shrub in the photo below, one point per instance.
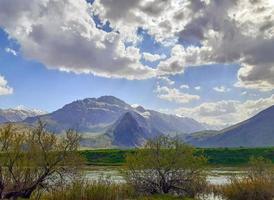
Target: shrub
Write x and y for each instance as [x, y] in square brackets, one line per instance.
[247, 189]
[257, 185]
[166, 166]
[34, 159]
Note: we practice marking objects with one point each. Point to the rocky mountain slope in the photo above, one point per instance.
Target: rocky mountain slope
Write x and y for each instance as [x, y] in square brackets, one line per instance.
[257, 131]
[93, 115]
[115, 121]
[17, 114]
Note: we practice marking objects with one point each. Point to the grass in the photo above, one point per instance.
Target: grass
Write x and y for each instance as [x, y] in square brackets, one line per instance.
[246, 189]
[215, 156]
[89, 190]
[99, 190]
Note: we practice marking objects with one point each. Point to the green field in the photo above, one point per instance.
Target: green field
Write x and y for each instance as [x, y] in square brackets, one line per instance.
[215, 156]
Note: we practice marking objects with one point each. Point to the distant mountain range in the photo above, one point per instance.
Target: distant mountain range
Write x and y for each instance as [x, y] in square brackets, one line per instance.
[258, 131]
[109, 121]
[18, 114]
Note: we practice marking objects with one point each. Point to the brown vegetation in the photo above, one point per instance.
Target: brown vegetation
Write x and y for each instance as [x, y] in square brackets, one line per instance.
[257, 185]
[35, 159]
[90, 190]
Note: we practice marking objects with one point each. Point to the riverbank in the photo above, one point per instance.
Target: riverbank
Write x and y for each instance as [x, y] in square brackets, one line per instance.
[216, 156]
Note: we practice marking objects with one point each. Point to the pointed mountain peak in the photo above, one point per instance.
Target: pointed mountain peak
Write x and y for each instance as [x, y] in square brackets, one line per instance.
[112, 100]
[140, 109]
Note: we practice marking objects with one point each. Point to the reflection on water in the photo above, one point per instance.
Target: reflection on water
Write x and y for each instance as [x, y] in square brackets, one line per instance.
[216, 176]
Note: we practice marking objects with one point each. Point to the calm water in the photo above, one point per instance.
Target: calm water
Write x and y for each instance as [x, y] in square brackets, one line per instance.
[216, 176]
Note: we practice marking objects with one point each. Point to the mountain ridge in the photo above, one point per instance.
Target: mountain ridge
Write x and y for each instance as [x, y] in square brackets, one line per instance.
[95, 117]
[256, 131]
[18, 114]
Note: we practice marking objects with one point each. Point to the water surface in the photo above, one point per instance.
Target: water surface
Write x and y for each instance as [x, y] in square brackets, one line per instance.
[218, 176]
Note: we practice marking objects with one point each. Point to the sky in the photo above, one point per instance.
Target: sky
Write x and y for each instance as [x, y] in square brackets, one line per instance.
[209, 60]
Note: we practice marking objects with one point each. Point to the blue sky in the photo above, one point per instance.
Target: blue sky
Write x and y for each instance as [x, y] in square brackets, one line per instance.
[216, 83]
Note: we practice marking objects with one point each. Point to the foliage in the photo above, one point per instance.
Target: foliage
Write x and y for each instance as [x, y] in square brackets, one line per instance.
[35, 159]
[105, 156]
[215, 156]
[235, 156]
[257, 185]
[165, 165]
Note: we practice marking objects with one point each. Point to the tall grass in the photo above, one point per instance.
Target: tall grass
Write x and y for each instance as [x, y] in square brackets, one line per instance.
[247, 189]
[89, 190]
[258, 184]
[99, 190]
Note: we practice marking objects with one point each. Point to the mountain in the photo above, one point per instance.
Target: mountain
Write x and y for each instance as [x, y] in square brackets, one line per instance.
[107, 119]
[172, 124]
[131, 130]
[95, 115]
[257, 131]
[88, 115]
[17, 114]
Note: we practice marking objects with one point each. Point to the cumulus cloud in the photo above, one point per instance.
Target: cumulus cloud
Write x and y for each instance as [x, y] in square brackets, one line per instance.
[236, 32]
[4, 88]
[184, 86]
[62, 35]
[166, 80]
[221, 88]
[152, 57]
[215, 31]
[226, 112]
[174, 95]
[197, 88]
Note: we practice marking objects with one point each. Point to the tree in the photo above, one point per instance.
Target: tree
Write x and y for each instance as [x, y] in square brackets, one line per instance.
[35, 159]
[166, 165]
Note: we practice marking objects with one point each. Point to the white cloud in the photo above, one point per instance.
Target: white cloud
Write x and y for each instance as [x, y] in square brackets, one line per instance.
[197, 88]
[227, 112]
[11, 51]
[174, 95]
[4, 88]
[222, 89]
[62, 35]
[221, 31]
[166, 80]
[184, 86]
[153, 57]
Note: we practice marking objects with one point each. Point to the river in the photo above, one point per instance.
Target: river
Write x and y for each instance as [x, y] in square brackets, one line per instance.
[216, 176]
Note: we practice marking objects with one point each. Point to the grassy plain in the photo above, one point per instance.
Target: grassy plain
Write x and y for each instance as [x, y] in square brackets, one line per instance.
[215, 156]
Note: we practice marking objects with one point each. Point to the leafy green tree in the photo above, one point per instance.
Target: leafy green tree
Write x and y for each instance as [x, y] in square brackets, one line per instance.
[35, 159]
[166, 165]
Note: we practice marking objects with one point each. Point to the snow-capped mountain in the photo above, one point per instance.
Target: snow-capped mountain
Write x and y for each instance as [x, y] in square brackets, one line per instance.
[18, 114]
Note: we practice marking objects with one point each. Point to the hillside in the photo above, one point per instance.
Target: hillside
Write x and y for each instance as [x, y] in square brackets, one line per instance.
[257, 131]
